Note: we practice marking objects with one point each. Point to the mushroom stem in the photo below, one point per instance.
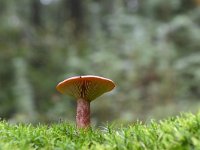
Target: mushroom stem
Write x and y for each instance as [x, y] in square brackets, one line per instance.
[83, 113]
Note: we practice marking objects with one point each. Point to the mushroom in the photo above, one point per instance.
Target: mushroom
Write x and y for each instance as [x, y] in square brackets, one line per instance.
[85, 89]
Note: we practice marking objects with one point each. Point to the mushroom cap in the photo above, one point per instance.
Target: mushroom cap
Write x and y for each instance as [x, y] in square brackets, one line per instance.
[88, 87]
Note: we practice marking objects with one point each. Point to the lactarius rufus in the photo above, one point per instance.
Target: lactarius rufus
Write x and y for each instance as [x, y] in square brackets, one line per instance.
[85, 89]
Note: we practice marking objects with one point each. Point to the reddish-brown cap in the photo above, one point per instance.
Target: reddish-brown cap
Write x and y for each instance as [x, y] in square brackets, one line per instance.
[88, 87]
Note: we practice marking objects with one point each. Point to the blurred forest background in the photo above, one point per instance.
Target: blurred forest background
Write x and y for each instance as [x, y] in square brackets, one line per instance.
[149, 48]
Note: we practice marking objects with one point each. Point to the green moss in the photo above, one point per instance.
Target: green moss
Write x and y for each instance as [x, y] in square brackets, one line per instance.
[174, 133]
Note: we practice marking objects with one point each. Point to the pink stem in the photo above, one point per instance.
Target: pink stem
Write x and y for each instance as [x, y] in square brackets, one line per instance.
[83, 113]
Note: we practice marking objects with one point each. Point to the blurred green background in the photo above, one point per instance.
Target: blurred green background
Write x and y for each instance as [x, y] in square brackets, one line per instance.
[149, 48]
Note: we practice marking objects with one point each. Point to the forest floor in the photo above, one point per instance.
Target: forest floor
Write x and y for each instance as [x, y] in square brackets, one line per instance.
[174, 133]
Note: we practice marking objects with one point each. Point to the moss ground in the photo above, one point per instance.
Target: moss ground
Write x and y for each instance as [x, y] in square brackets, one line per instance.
[175, 133]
